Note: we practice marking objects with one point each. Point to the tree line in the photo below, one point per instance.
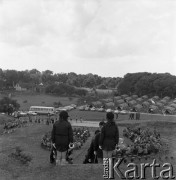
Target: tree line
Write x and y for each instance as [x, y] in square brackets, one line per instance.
[144, 83]
[29, 78]
[64, 89]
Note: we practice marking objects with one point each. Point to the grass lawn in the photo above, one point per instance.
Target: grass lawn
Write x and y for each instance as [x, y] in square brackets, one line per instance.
[5, 118]
[98, 116]
[41, 100]
[28, 138]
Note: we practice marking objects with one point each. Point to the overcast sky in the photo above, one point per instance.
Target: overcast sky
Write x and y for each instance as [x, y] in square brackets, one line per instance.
[104, 37]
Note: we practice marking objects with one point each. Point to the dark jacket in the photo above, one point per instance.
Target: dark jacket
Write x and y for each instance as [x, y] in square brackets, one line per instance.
[109, 136]
[90, 154]
[62, 135]
[96, 146]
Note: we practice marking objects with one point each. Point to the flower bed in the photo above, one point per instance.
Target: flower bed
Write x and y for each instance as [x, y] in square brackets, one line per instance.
[80, 135]
[11, 126]
[142, 142]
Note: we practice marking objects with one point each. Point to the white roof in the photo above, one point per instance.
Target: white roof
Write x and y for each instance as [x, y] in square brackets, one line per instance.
[40, 107]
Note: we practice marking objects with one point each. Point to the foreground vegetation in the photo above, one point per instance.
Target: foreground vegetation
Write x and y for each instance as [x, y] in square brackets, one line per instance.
[28, 139]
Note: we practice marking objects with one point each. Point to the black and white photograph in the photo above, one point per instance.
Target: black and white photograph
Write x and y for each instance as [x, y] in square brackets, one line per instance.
[87, 89]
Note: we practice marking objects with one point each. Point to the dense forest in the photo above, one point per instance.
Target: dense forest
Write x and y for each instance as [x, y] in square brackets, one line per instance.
[29, 78]
[151, 84]
[143, 83]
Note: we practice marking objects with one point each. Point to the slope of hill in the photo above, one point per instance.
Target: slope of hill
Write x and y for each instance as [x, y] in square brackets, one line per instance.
[29, 138]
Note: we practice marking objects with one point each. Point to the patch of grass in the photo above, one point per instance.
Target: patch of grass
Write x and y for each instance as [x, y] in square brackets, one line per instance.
[38, 99]
[5, 118]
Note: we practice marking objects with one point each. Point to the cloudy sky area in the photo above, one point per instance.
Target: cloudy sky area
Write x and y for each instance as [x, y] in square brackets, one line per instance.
[104, 37]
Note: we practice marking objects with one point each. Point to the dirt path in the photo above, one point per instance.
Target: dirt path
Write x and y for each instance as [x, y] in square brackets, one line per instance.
[78, 156]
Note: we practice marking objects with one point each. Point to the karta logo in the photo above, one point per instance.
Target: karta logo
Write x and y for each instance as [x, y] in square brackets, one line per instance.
[112, 166]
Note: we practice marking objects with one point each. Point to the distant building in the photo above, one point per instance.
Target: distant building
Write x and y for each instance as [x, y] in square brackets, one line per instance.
[19, 88]
[57, 82]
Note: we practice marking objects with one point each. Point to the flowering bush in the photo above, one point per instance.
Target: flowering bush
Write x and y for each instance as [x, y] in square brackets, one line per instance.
[23, 156]
[143, 141]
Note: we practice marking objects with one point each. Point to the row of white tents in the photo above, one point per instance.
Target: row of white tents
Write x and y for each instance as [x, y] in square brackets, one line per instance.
[143, 103]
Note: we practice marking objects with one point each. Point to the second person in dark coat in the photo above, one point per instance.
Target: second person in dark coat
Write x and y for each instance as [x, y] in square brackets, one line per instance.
[97, 151]
[109, 136]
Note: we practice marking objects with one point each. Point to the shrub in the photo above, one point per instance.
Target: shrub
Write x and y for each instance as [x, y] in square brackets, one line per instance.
[25, 101]
[23, 156]
[64, 89]
[70, 98]
[18, 150]
[57, 104]
[8, 105]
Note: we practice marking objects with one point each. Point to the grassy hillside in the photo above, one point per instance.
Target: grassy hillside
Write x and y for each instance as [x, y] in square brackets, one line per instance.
[5, 118]
[28, 138]
[27, 100]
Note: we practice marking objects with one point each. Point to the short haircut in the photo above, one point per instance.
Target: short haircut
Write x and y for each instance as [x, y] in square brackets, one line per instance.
[97, 131]
[110, 116]
[101, 123]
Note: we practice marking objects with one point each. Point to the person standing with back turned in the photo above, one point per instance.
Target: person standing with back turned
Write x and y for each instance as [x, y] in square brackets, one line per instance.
[109, 136]
[62, 136]
[97, 151]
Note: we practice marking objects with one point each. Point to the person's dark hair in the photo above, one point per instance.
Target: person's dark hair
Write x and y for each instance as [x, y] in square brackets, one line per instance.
[97, 131]
[63, 116]
[110, 118]
[101, 123]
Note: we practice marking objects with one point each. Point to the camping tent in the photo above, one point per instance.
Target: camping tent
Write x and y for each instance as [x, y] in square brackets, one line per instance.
[153, 107]
[155, 97]
[146, 104]
[97, 103]
[173, 105]
[139, 99]
[120, 101]
[124, 95]
[128, 98]
[134, 96]
[109, 104]
[164, 101]
[145, 97]
[169, 109]
[107, 100]
[133, 102]
[124, 105]
[117, 97]
[138, 107]
[167, 98]
[159, 104]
